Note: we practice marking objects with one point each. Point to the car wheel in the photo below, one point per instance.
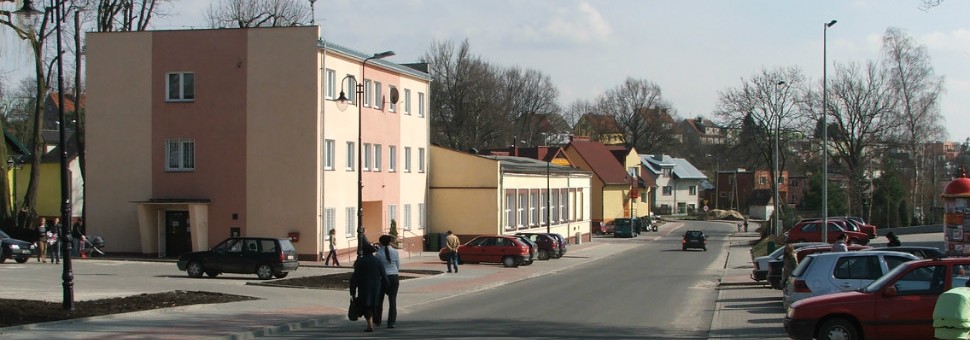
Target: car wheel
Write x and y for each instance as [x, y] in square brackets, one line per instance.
[264, 272]
[211, 273]
[281, 275]
[21, 260]
[508, 261]
[194, 269]
[543, 254]
[838, 328]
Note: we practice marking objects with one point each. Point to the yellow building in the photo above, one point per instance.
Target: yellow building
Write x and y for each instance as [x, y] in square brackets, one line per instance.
[492, 195]
[611, 185]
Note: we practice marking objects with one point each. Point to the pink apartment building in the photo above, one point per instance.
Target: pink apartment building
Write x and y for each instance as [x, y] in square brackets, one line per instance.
[197, 135]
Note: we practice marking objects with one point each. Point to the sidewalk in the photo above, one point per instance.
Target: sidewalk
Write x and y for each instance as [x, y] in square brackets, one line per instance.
[743, 308]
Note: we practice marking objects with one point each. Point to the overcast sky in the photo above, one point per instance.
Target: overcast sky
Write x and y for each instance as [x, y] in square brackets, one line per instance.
[693, 49]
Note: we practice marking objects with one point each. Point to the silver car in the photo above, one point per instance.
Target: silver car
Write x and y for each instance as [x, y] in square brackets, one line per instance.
[827, 273]
[761, 263]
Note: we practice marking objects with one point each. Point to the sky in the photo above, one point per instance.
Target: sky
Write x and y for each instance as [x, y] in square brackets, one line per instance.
[692, 49]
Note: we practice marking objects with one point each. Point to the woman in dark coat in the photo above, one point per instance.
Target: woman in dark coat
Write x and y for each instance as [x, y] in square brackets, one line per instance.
[367, 284]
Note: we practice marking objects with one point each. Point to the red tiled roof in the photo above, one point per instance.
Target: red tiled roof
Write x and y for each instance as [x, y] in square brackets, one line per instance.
[601, 161]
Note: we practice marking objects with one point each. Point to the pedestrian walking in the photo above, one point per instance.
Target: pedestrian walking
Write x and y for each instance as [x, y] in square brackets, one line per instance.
[367, 285]
[790, 261]
[840, 243]
[42, 240]
[54, 241]
[332, 241]
[77, 231]
[893, 240]
[388, 256]
[452, 242]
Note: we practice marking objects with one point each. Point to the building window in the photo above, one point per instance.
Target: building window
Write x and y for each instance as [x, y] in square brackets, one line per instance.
[554, 205]
[407, 101]
[350, 89]
[351, 151]
[367, 157]
[407, 159]
[666, 172]
[421, 104]
[723, 194]
[534, 208]
[351, 221]
[378, 95]
[422, 216]
[563, 210]
[692, 189]
[180, 153]
[393, 106]
[368, 89]
[420, 159]
[391, 158]
[180, 87]
[509, 210]
[523, 209]
[329, 149]
[377, 157]
[331, 84]
[668, 190]
[407, 217]
[392, 212]
[329, 220]
[763, 180]
[543, 206]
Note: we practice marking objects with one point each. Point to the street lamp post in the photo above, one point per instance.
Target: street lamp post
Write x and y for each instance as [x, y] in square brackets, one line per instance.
[777, 174]
[359, 88]
[825, 133]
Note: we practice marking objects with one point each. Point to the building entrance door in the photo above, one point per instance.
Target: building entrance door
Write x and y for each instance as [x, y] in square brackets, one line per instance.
[178, 235]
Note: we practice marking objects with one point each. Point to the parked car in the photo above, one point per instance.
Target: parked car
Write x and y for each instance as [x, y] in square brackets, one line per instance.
[626, 227]
[18, 250]
[760, 271]
[920, 252]
[827, 273]
[597, 227]
[866, 227]
[563, 243]
[533, 249]
[775, 267]
[510, 251]
[811, 231]
[265, 257]
[694, 239]
[898, 305]
[548, 245]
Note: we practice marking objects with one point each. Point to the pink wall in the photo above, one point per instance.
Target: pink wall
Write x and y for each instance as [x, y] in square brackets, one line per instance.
[216, 120]
[383, 127]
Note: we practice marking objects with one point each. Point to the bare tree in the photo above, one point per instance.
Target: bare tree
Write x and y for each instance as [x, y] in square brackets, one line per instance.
[258, 13]
[123, 15]
[577, 109]
[464, 110]
[528, 101]
[917, 90]
[639, 108]
[861, 108]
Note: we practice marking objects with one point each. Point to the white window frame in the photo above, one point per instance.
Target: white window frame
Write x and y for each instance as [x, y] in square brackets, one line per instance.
[522, 208]
[392, 212]
[393, 106]
[554, 205]
[329, 221]
[183, 95]
[563, 205]
[351, 222]
[407, 159]
[533, 208]
[543, 205]
[407, 101]
[377, 157]
[378, 95]
[182, 158]
[422, 216]
[407, 217]
[392, 158]
[331, 84]
[509, 210]
[329, 147]
[420, 159]
[350, 89]
[368, 89]
[351, 156]
[421, 104]
[367, 157]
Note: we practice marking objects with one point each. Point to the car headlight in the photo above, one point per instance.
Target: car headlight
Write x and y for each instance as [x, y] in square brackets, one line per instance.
[14, 247]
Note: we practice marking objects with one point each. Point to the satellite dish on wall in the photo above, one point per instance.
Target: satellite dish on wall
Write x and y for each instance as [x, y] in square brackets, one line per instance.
[394, 95]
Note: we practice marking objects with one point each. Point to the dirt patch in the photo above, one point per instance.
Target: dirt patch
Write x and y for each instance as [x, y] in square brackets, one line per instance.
[339, 281]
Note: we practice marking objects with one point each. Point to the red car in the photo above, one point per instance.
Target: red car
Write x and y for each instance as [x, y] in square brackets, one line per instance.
[507, 250]
[899, 305]
[810, 231]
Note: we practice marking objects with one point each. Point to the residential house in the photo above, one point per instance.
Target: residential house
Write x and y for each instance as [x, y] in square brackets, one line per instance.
[733, 189]
[197, 135]
[600, 128]
[750, 192]
[678, 184]
[610, 186]
[643, 188]
[475, 195]
[702, 131]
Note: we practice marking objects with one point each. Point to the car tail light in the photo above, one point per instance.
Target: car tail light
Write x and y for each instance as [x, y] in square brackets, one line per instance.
[684, 241]
[282, 256]
[799, 286]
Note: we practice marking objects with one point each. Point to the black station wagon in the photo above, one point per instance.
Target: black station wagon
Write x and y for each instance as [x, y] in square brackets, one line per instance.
[265, 257]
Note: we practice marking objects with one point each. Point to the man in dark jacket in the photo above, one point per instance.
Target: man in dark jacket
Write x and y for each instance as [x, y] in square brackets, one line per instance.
[367, 284]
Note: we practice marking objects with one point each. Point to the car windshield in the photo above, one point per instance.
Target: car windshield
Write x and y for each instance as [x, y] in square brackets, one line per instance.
[622, 222]
[802, 266]
[885, 278]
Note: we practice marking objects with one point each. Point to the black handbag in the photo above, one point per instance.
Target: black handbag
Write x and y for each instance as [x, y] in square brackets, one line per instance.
[353, 312]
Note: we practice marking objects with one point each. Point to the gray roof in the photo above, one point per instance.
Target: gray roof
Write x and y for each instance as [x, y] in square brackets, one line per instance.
[383, 63]
[681, 167]
[532, 166]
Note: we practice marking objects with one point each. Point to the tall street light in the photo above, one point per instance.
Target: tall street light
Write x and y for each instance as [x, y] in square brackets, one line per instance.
[67, 273]
[825, 134]
[776, 174]
[343, 100]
